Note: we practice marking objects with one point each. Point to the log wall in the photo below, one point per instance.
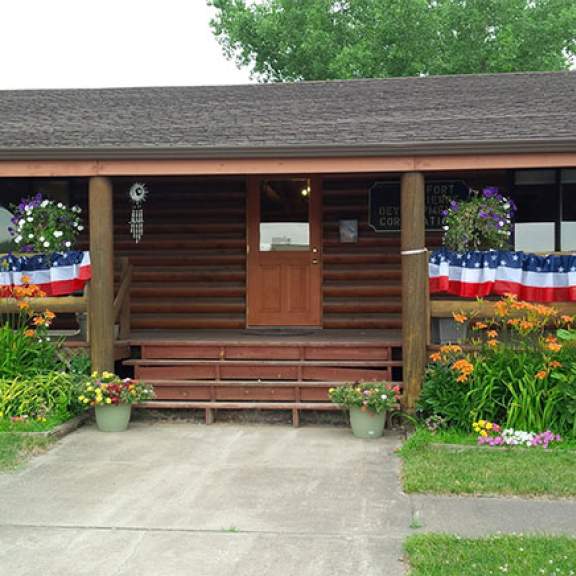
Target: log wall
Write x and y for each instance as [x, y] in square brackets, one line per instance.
[189, 267]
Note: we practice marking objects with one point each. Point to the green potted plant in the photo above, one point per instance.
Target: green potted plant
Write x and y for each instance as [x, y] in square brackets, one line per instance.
[368, 403]
[112, 398]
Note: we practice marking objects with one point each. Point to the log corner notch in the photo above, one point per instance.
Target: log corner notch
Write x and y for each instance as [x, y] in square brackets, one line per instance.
[414, 286]
[101, 301]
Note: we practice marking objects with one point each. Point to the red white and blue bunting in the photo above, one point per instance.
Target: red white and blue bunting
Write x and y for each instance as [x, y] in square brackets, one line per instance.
[529, 276]
[55, 274]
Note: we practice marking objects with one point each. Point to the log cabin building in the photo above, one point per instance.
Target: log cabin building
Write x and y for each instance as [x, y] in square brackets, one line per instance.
[286, 226]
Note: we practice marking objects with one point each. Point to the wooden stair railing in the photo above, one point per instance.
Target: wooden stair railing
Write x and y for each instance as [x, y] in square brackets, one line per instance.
[122, 299]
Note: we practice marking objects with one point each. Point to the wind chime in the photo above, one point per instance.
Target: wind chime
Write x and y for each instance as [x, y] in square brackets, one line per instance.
[137, 193]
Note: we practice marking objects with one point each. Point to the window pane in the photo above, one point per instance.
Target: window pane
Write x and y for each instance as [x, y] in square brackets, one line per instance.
[531, 177]
[5, 223]
[568, 230]
[569, 175]
[284, 215]
[534, 237]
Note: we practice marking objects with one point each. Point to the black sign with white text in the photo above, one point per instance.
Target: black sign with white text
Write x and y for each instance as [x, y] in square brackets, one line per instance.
[384, 208]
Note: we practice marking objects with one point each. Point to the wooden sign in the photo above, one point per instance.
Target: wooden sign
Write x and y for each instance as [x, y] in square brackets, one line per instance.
[384, 203]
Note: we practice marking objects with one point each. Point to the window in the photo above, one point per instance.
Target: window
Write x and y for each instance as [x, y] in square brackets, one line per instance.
[284, 215]
[546, 218]
[5, 223]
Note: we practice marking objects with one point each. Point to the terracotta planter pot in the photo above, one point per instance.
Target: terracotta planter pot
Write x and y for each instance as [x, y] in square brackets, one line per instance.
[367, 424]
[110, 418]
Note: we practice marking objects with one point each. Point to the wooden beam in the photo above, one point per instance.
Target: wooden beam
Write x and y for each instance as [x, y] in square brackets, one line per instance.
[60, 305]
[102, 284]
[445, 308]
[122, 302]
[279, 165]
[414, 285]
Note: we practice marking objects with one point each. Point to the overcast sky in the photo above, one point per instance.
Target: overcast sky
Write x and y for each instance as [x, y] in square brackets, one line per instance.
[105, 43]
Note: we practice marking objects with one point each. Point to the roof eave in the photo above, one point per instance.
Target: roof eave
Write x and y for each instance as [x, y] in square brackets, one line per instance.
[532, 146]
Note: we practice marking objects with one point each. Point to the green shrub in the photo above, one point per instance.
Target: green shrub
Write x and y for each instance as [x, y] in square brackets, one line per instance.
[53, 394]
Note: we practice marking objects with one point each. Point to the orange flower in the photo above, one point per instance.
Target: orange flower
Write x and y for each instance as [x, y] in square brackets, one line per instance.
[436, 357]
[49, 315]
[555, 364]
[554, 346]
[526, 325]
[30, 333]
[492, 333]
[567, 319]
[450, 349]
[38, 321]
[460, 318]
[480, 325]
[462, 378]
[541, 375]
[492, 343]
[23, 305]
[26, 279]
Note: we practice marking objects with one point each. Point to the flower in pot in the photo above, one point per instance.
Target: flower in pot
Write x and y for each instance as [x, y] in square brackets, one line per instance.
[112, 398]
[368, 403]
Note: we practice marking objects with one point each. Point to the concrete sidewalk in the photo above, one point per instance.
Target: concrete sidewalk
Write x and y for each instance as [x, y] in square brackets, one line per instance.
[185, 499]
[241, 500]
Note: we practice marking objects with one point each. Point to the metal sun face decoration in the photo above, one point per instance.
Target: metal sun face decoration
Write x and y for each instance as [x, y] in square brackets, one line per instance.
[137, 193]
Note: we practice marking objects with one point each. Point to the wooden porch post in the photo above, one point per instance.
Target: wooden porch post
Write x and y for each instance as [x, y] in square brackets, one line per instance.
[414, 286]
[101, 302]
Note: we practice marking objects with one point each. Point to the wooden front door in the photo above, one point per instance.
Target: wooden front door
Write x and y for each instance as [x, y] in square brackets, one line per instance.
[284, 283]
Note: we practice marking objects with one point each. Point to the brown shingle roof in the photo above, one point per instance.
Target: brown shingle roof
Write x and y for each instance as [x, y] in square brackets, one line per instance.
[512, 112]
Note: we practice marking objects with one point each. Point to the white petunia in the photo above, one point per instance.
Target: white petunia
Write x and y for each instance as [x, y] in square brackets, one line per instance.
[18, 239]
[58, 233]
[30, 219]
[45, 203]
[30, 236]
[68, 244]
[80, 228]
[41, 238]
[60, 205]
[21, 222]
[46, 244]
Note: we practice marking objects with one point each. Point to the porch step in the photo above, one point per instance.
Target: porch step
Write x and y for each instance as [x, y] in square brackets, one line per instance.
[242, 390]
[210, 408]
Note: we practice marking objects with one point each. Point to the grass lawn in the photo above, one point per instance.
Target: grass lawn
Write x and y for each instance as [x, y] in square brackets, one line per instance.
[15, 448]
[444, 555]
[518, 471]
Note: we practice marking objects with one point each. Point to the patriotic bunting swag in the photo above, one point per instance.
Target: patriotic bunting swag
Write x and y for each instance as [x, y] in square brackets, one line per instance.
[530, 277]
[55, 274]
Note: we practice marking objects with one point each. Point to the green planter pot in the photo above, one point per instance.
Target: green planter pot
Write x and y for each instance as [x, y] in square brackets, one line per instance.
[111, 418]
[367, 424]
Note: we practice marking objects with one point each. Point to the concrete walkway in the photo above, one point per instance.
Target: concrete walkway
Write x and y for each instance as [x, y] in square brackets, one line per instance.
[241, 500]
[184, 499]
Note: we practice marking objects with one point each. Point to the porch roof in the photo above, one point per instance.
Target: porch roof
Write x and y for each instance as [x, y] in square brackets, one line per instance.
[467, 114]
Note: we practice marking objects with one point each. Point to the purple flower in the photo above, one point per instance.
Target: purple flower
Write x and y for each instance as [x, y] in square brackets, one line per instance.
[445, 213]
[484, 214]
[454, 205]
[490, 192]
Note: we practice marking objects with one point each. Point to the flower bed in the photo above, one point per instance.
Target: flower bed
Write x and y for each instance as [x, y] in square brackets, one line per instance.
[517, 371]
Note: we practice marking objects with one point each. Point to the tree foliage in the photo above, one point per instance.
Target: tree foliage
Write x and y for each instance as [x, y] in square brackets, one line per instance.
[283, 40]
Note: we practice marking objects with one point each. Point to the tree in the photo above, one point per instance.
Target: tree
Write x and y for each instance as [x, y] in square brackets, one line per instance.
[330, 39]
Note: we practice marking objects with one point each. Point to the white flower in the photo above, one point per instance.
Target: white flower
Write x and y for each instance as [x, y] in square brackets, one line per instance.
[445, 227]
[30, 236]
[60, 205]
[58, 233]
[22, 222]
[80, 228]
[18, 239]
[41, 238]
[68, 244]
[46, 244]
[30, 219]
[384, 397]
[45, 203]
